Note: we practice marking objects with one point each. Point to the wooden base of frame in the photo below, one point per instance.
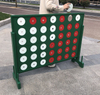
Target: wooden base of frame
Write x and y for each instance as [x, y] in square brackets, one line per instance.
[16, 78]
[81, 64]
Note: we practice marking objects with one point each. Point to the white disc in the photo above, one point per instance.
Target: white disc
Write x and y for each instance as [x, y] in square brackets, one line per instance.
[52, 37]
[23, 50]
[23, 67]
[43, 54]
[43, 38]
[78, 17]
[34, 64]
[43, 61]
[33, 30]
[70, 7]
[23, 59]
[53, 19]
[33, 48]
[33, 40]
[33, 56]
[22, 41]
[52, 28]
[21, 31]
[43, 47]
[21, 21]
[43, 29]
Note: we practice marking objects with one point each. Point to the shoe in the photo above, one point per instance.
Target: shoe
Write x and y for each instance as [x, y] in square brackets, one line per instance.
[51, 66]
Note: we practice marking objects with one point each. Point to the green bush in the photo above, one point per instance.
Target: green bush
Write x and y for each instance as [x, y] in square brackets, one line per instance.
[74, 2]
[62, 1]
[85, 3]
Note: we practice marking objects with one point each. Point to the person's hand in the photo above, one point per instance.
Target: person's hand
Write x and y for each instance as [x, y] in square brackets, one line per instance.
[66, 6]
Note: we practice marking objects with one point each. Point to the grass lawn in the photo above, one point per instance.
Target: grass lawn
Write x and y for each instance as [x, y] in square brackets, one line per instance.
[3, 16]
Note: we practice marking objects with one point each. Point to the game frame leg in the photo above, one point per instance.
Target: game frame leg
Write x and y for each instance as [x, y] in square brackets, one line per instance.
[15, 67]
[81, 64]
[16, 78]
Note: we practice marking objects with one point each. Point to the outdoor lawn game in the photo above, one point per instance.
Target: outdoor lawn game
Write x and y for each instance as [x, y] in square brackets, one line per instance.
[41, 40]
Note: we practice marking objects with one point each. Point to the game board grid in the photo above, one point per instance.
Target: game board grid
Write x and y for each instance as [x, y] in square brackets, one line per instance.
[38, 34]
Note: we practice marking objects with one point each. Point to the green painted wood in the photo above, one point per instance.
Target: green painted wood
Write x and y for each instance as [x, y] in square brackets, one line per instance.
[27, 26]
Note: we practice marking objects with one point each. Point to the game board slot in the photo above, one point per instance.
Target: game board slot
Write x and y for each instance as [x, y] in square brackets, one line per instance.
[21, 21]
[78, 17]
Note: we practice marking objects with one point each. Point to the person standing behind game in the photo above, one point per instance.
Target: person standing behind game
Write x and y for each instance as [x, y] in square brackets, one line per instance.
[49, 7]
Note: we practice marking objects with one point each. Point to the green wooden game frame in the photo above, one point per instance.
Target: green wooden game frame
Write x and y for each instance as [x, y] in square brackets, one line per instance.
[16, 71]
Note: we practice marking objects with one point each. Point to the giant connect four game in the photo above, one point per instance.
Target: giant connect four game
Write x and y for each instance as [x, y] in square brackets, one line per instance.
[41, 40]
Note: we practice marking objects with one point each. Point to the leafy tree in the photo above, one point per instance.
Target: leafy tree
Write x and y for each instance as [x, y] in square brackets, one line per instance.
[62, 1]
[74, 2]
[85, 3]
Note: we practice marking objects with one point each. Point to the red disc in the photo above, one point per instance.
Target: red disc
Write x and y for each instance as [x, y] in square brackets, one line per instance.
[67, 42]
[52, 45]
[62, 19]
[69, 26]
[76, 25]
[51, 59]
[60, 43]
[76, 33]
[51, 52]
[61, 35]
[74, 47]
[73, 54]
[75, 41]
[59, 51]
[61, 27]
[67, 49]
[68, 35]
[43, 20]
[59, 57]
[66, 56]
[32, 20]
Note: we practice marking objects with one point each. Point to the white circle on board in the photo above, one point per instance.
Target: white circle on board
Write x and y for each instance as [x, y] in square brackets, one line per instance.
[52, 28]
[43, 29]
[23, 59]
[21, 21]
[21, 31]
[33, 48]
[42, 62]
[43, 47]
[22, 41]
[53, 19]
[43, 38]
[33, 30]
[23, 50]
[43, 54]
[33, 39]
[52, 37]
[78, 17]
[23, 67]
[33, 56]
[34, 64]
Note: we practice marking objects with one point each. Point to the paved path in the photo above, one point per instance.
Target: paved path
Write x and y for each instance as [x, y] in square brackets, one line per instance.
[17, 11]
[66, 78]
